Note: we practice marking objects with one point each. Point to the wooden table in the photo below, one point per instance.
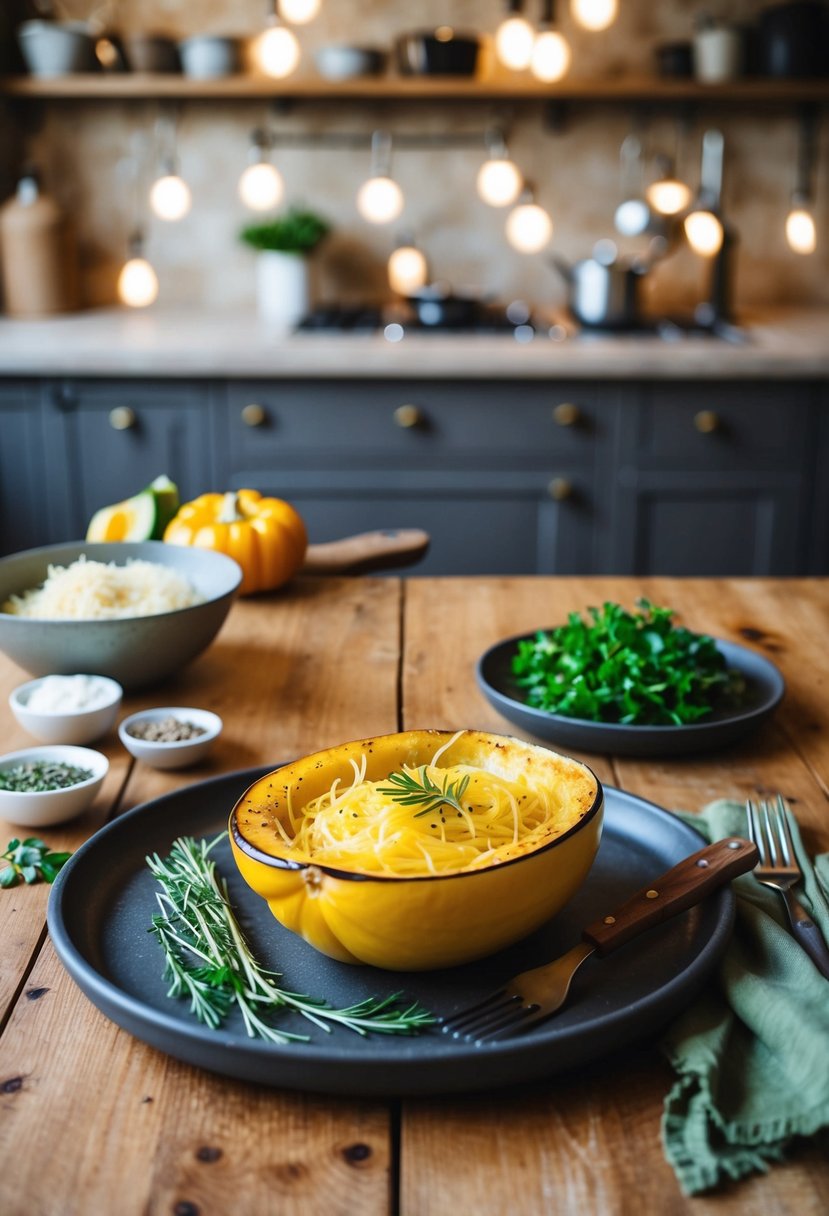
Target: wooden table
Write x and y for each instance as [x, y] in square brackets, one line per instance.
[92, 1121]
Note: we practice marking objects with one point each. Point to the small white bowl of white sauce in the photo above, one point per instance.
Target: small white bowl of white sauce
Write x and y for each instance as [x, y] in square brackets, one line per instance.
[67, 708]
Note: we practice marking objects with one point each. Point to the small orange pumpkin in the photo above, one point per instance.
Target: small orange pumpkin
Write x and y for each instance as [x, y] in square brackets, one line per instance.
[266, 536]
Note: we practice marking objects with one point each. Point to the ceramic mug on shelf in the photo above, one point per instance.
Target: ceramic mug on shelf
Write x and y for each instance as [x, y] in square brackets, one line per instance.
[718, 54]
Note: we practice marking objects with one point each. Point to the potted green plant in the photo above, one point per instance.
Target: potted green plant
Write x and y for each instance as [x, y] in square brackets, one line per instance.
[283, 245]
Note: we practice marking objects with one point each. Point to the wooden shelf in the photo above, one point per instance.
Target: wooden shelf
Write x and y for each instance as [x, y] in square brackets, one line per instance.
[137, 86]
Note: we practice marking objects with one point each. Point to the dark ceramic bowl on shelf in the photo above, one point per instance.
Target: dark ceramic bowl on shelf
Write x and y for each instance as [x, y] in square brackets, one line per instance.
[439, 52]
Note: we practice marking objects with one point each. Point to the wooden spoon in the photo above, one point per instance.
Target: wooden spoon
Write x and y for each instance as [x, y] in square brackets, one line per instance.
[367, 551]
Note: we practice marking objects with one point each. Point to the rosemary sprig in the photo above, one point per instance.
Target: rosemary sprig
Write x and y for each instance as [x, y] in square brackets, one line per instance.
[208, 960]
[420, 790]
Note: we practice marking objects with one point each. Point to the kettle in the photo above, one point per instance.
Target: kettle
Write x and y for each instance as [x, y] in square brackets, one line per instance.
[604, 289]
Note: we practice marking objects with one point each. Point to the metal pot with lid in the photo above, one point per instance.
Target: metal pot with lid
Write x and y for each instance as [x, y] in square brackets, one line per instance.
[604, 290]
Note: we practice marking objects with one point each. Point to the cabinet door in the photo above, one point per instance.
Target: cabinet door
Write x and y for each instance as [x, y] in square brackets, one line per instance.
[710, 525]
[505, 523]
[24, 485]
[111, 438]
[714, 479]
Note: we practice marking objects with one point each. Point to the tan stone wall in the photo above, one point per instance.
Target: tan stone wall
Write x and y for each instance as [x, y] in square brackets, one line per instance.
[82, 148]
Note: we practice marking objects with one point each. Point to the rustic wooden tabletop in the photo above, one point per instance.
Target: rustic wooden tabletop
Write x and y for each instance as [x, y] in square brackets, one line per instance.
[93, 1121]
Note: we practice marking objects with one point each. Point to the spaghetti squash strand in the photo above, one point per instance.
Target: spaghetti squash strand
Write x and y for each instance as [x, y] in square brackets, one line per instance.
[355, 826]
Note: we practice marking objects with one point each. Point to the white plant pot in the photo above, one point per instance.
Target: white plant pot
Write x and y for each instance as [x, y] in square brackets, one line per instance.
[282, 288]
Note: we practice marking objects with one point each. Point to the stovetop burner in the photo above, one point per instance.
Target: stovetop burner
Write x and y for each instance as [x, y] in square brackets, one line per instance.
[362, 318]
[394, 321]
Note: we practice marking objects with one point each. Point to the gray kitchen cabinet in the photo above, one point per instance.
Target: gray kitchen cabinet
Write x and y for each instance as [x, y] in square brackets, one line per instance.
[504, 477]
[24, 491]
[672, 477]
[110, 438]
[716, 480]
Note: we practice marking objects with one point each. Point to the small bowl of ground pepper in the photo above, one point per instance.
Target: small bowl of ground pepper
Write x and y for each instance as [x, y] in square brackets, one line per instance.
[170, 737]
[41, 786]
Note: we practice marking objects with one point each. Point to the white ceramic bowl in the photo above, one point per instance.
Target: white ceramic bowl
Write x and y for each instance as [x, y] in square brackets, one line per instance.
[68, 725]
[171, 755]
[55, 48]
[209, 56]
[135, 651]
[336, 62]
[42, 809]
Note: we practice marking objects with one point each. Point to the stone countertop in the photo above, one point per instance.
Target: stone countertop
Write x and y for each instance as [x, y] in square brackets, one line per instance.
[783, 344]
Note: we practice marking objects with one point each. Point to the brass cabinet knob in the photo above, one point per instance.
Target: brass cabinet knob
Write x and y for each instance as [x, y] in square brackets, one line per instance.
[706, 422]
[407, 416]
[254, 414]
[122, 418]
[567, 414]
[560, 489]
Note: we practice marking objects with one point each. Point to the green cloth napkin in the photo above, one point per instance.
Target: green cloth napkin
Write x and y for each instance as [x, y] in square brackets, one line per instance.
[752, 1054]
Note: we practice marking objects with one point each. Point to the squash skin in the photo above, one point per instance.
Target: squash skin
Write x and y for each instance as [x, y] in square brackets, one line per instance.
[267, 537]
[424, 922]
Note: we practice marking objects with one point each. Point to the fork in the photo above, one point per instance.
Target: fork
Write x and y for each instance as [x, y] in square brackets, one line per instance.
[533, 995]
[768, 828]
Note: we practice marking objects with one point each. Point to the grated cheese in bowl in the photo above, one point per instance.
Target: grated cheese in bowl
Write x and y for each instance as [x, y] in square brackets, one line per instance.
[92, 591]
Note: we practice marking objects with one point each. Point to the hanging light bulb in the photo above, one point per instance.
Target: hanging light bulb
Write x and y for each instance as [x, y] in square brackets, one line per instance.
[666, 193]
[137, 282]
[299, 12]
[407, 268]
[514, 38]
[276, 51]
[594, 14]
[380, 199]
[801, 231]
[704, 231]
[260, 187]
[529, 227]
[170, 196]
[550, 57]
[499, 180]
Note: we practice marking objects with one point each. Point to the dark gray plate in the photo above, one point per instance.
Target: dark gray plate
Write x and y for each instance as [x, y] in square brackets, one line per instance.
[764, 690]
[103, 900]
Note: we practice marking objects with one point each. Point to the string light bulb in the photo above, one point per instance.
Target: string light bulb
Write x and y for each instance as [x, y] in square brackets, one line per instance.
[529, 227]
[499, 181]
[408, 269]
[666, 193]
[704, 231]
[261, 186]
[380, 200]
[514, 38]
[170, 196]
[276, 51]
[550, 58]
[137, 281]
[801, 231]
[594, 15]
[299, 12]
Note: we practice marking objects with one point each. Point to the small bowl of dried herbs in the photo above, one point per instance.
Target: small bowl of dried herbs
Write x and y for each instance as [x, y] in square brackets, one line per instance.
[41, 786]
[170, 736]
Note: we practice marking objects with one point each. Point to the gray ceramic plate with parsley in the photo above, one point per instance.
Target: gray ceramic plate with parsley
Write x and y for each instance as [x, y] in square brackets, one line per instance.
[763, 688]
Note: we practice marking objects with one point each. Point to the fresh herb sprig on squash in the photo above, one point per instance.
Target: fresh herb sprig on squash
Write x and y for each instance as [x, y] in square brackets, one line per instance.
[632, 668]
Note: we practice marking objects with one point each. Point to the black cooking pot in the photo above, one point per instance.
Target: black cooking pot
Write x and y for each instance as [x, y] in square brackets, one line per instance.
[437, 308]
[437, 53]
[792, 40]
